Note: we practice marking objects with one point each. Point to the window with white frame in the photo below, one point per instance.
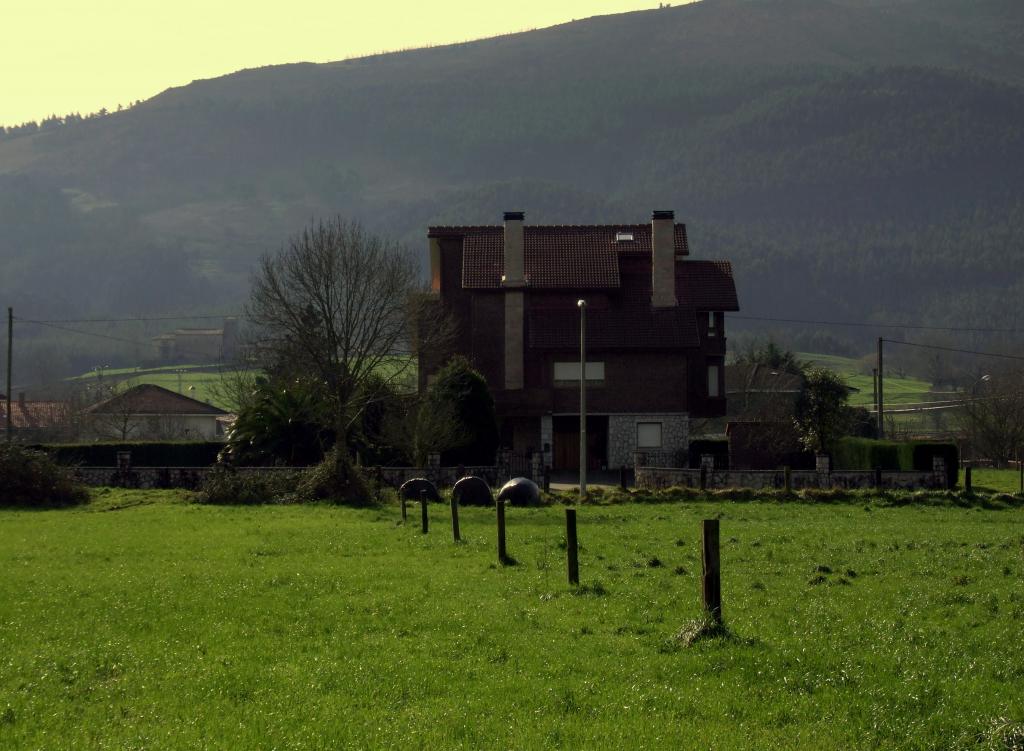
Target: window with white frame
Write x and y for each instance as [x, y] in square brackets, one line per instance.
[570, 371]
[712, 325]
[713, 390]
[648, 435]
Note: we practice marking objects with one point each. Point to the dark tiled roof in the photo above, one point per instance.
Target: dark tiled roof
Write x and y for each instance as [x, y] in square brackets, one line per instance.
[558, 257]
[706, 285]
[34, 414]
[668, 328]
[149, 399]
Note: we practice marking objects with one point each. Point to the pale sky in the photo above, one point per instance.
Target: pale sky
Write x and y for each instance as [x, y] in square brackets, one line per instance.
[62, 56]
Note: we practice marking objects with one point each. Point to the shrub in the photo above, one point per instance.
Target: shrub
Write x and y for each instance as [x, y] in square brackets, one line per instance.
[31, 479]
[335, 479]
[229, 487]
[864, 453]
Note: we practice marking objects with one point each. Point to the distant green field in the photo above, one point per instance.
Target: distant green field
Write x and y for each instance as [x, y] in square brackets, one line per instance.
[995, 480]
[897, 391]
[141, 621]
[197, 381]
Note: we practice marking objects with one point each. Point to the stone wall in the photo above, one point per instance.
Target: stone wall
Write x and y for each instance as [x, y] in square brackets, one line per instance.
[675, 436]
[659, 477]
[191, 477]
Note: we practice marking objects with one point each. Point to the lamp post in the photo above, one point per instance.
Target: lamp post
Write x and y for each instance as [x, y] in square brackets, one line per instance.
[582, 304]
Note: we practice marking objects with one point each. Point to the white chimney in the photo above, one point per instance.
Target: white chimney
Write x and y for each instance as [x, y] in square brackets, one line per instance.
[663, 259]
[513, 276]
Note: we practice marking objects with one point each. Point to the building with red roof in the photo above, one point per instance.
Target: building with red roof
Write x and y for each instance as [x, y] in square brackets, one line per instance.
[655, 332]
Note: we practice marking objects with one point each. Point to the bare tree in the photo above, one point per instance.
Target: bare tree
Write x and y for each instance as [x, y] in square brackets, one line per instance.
[341, 307]
[992, 415]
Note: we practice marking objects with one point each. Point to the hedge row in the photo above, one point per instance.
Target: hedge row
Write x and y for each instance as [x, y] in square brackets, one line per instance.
[144, 453]
[892, 456]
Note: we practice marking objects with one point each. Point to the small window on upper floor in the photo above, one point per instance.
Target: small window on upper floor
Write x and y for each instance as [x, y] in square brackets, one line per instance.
[567, 372]
[623, 237]
[712, 324]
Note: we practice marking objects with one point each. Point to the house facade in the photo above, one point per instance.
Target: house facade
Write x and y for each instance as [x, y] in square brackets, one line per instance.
[655, 335]
[152, 413]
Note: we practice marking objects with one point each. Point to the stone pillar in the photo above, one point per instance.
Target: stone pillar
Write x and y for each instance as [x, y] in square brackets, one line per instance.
[822, 465]
[433, 466]
[537, 468]
[939, 469]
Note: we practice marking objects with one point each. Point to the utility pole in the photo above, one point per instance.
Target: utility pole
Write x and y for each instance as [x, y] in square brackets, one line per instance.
[874, 387]
[880, 400]
[10, 352]
[582, 304]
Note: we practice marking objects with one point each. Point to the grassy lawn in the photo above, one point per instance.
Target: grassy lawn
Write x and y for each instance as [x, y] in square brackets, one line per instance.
[994, 480]
[897, 391]
[142, 621]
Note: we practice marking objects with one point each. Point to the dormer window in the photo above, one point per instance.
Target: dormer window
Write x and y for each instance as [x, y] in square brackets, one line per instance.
[623, 237]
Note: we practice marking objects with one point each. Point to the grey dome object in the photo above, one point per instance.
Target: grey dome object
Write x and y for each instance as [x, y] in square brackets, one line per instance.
[411, 489]
[472, 491]
[520, 491]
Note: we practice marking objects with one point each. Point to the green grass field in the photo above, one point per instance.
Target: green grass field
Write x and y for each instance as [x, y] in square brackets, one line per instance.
[897, 391]
[143, 621]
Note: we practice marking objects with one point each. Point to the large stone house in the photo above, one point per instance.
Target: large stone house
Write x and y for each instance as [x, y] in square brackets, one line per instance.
[655, 332]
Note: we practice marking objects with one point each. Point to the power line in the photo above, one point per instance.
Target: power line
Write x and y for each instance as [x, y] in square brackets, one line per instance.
[94, 334]
[955, 349]
[866, 325]
[133, 320]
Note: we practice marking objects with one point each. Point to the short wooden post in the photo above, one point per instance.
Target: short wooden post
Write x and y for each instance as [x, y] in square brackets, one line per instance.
[571, 546]
[423, 511]
[502, 554]
[787, 472]
[703, 477]
[455, 518]
[547, 479]
[712, 572]
[968, 485]
[405, 512]
[878, 477]
[622, 476]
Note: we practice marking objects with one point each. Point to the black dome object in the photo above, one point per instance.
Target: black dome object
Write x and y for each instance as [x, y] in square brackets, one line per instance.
[520, 491]
[411, 489]
[472, 491]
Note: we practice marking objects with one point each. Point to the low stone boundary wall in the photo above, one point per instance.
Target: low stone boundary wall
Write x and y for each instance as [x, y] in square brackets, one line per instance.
[663, 477]
[191, 477]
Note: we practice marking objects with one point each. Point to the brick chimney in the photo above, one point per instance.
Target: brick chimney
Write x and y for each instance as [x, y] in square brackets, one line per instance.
[663, 259]
[513, 280]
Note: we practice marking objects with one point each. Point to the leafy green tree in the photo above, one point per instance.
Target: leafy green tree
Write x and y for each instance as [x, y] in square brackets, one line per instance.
[281, 424]
[771, 355]
[822, 414]
[460, 394]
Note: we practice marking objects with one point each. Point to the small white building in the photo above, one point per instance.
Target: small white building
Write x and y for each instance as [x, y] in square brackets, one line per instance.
[152, 413]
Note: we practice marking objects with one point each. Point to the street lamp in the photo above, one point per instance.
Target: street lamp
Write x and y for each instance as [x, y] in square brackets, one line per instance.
[582, 305]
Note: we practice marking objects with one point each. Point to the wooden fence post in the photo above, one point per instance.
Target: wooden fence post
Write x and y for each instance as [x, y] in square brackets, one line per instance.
[405, 512]
[455, 519]
[572, 546]
[423, 511]
[878, 478]
[968, 485]
[502, 554]
[703, 477]
[712, 572]
[787, 472]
